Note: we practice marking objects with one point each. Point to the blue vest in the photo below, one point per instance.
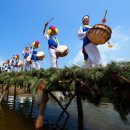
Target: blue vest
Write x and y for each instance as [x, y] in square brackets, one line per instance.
[34, 53]
[16, 63]
[26, 54]
[52, 42]
[12, 62]
[85, 40]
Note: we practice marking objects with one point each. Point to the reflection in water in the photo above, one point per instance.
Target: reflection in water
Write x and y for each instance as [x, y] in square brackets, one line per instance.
[11, 120]
[122, 103]
[1, 110]
[56, 125]
[101, 117]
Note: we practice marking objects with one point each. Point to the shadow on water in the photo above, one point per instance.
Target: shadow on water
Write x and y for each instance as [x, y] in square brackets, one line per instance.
[100, 111]
[10, 120]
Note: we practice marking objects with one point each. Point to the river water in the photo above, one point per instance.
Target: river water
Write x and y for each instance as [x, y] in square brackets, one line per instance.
[22, 114]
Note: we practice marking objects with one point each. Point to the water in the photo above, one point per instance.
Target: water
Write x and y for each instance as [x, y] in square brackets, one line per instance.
[22, 115]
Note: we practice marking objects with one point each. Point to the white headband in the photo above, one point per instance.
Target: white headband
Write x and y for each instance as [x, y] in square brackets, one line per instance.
[85, 17]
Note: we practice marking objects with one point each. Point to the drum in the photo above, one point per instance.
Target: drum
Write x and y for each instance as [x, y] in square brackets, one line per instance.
[62, 51]
[40, 55]
[28, 59]
[99, 34]
[20, 64]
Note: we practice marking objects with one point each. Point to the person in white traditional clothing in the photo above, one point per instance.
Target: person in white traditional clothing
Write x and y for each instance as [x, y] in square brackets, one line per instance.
[90, 51]
[27, 58]
[8, 66]
[18, 63]
[52, 43]
[3, 67]
[34, 59]
[12, 62]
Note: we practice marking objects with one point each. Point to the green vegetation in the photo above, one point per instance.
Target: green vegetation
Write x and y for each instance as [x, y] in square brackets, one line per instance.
[110, 83]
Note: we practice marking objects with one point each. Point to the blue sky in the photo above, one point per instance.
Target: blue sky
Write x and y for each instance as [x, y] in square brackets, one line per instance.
[22, 22]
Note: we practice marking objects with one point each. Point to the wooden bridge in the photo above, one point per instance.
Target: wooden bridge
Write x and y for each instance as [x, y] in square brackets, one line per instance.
[111, 82]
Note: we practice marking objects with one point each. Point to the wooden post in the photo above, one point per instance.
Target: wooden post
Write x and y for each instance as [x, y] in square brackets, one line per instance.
[80, 112]
[79, 108]
[42, 109]
[3, 94]
[2, 88]
[14, 96]
[7, 93]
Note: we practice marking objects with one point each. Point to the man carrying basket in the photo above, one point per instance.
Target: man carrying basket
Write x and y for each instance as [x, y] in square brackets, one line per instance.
[89, 49]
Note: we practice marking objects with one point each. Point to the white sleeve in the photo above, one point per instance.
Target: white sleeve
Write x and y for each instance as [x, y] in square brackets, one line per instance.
[81, 34]
[23, 52]
[31, 50]
[46, 36]
[58, 43]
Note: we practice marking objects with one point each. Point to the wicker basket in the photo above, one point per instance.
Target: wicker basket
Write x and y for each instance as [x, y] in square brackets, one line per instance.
[99, 34]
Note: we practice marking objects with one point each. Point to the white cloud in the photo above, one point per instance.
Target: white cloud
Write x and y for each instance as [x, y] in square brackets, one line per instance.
[120, 34]
[120, 39]
[105, 48]
[77, 60]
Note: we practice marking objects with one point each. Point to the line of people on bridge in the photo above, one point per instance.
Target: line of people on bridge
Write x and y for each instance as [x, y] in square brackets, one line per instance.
[91, 53]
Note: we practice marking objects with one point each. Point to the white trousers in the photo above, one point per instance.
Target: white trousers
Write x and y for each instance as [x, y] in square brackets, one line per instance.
[12, 68]
[35, 64]
[53, 57]
[94, 58]
[26, 66]
[9, 70]
[17, 69]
